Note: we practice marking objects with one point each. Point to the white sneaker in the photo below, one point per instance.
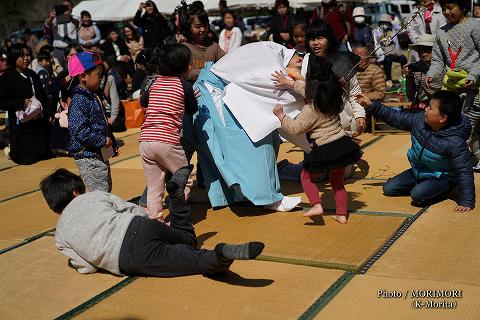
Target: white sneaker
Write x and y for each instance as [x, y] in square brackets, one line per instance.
[477, 167]
[284, 205]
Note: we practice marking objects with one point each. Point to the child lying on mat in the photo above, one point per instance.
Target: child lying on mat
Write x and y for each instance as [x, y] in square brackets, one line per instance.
[439, 153]
[98, 230]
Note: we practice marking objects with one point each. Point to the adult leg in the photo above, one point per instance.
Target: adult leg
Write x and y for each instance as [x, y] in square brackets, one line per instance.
[387, 64]
[429, 191]
[400, 185]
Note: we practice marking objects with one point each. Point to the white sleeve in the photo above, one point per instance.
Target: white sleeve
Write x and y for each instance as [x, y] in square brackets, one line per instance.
[221, 42]
[354, 90]
[236, 39]
[114, 99]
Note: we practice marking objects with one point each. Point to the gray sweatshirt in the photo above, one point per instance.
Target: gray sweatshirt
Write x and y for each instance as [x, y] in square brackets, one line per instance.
[466, 35]
[91, 229]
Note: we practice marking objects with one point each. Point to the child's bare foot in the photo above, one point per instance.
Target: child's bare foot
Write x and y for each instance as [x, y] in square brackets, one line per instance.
[316, 210]
[340, 219]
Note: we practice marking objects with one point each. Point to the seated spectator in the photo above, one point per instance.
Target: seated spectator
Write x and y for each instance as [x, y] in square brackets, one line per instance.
[417, 90]
[115, 50]
[361, 33]
[55, 67]
[476, 10]
[371, 77]
[231, 37]
[98, 230]
[391, 47]
[44, 62]
[439, 153]
[88, 34]
[281, 25]
[133, 40]
[140, 71]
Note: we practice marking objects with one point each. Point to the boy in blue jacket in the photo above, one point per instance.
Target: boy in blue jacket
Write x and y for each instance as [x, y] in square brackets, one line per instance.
[439, 153]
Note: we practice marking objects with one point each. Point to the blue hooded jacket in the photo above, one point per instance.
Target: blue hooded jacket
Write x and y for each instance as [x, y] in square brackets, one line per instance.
[441, 154]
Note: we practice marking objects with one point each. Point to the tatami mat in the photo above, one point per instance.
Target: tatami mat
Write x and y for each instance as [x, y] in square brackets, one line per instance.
[291, 236]
[359, 300]
[38, 284]
[440, 245]
[253, 290]
[385, 158]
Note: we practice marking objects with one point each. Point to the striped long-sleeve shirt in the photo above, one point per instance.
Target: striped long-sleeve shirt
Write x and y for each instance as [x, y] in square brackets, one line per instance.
[168, 98]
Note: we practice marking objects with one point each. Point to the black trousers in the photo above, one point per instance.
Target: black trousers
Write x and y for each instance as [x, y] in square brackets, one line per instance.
[151, 248]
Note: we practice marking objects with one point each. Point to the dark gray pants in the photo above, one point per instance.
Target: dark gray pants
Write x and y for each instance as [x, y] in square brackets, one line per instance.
[151, 248]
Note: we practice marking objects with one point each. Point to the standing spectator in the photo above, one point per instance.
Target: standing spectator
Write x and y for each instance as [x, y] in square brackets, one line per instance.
[44, 62]
[362, 33]
[133, 40]
[155, 26]
[476, 10]
[230, 37]
[55, 68]
[391, 47]
[329, 10]
[64, 31]
[299, 31]
[371, 77]
[281, 24]
[107, 92]
[116, 50]
[18, 84]
[88, 34]
[429, 22]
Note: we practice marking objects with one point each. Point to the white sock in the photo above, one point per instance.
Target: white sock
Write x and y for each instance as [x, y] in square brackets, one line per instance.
[286, 204]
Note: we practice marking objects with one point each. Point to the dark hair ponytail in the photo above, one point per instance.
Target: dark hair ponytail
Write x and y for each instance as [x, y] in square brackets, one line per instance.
[186, 14]
[173, 59]
[323, 88]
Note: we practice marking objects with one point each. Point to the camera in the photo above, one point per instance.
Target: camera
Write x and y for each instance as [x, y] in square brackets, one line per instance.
[418, 66]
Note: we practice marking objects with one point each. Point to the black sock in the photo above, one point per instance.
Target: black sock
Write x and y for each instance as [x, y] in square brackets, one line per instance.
[246, 251]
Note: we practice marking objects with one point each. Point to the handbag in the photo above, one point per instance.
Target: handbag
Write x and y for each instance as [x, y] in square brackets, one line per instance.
[33, 110]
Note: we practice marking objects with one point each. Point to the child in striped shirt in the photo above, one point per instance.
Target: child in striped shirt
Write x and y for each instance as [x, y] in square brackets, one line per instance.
[167, 99]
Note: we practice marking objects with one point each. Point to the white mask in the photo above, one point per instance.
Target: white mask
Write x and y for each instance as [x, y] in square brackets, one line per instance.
[359, 20]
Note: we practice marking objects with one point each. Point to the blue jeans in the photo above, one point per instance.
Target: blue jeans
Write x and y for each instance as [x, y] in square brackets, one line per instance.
[423, 192]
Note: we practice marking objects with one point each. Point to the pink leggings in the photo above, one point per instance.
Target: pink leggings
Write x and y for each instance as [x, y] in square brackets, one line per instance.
[336, 181]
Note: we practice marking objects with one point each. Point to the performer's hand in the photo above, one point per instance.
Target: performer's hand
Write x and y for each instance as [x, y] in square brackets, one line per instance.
[363, 100]
[278, 111]
[279, 80]
[428, 80]
[469, 84]
[461, 209]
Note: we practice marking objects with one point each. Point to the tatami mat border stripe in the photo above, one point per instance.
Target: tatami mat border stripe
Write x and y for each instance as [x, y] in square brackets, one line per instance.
[26, 241]
[369, 143]
[328, 295]
[390, 242]
[3, 169]
[310, 263]
[368, 213]
[98, 298]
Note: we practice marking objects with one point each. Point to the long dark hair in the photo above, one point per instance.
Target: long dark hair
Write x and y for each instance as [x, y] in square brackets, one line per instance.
[15, 52]
[186, 14]
[134, 32]
[322, 87]
[320, 29]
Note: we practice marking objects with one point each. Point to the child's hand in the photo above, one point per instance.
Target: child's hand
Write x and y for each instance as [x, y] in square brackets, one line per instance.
[280, 81]
[278, 111]
[108, 142]
[197, 93]
[469, 84]
[461, 209]
[363, 100]
[428, 80]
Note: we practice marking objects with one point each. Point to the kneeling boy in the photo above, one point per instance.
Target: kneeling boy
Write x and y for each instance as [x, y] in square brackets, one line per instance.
[98, 230]
[439, 153]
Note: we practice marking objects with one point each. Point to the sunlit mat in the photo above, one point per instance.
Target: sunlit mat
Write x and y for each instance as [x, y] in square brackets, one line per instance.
[358, 300]
[440, 245]
[365, 195]
[385, 158]
[253, 290]
[38, 284]
[25, 217]
[127, 183]
[128, 133]
[289, 236]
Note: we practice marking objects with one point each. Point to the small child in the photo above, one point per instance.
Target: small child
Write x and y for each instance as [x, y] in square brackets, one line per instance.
[194, 26]
[98, 230]
[332, 149]
[299, 31]
[91, 141]
[456, 52]
[230, 37]
[439, 153]
[167, 99]
[44, 59]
